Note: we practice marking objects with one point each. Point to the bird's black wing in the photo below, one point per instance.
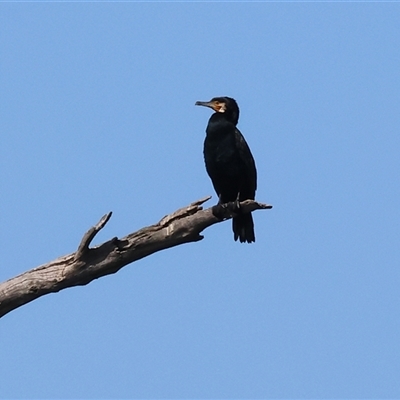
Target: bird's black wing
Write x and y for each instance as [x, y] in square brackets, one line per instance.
[248, 162]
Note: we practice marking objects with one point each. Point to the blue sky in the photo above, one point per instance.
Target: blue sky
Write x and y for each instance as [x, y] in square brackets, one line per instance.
[97, 114]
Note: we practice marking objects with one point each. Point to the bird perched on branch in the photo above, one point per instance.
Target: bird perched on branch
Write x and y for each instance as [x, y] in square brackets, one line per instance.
[229, 162]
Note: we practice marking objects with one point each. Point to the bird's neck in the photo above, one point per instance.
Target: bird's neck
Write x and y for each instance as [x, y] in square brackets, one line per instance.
[229, 117]
[219, 125]
[222, 118]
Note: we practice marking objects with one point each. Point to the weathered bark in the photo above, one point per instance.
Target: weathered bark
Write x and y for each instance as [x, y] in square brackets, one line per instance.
[87, 264]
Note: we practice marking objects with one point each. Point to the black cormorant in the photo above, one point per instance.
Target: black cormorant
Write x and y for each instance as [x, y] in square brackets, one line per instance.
[229, 162]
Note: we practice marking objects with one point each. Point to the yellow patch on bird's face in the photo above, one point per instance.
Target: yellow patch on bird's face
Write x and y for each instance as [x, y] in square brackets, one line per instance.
[219, 107]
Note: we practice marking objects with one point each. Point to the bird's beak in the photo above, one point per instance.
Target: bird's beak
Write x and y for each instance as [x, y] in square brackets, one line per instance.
[204, 103]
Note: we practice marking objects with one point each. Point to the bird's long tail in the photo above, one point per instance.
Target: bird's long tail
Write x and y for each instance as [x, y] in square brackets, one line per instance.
[243, 228]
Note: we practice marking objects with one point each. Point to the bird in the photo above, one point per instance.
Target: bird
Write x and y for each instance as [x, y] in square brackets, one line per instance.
[229, 163]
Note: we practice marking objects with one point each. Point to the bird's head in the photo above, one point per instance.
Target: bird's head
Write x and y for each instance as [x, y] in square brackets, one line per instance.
[225, 105]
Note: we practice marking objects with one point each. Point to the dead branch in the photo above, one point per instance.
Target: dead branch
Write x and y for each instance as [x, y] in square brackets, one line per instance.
[87, 264]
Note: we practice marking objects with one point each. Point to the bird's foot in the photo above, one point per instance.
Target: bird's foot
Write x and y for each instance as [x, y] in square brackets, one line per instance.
[236, 204]
[221, 208]
[219, 211]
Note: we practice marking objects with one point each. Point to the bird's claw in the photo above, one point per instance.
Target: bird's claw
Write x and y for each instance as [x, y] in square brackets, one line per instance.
[219, 210]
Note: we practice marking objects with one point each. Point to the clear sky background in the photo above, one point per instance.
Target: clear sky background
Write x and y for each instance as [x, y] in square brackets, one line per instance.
[97, 114]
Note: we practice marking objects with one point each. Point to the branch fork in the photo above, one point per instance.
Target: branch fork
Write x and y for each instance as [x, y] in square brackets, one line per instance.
[88, 264]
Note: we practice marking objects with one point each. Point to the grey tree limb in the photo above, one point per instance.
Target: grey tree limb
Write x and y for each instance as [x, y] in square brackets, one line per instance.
[87, 264]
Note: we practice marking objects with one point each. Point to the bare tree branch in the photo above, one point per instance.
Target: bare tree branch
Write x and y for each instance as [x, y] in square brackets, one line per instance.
[89, 236]
[87, 264]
